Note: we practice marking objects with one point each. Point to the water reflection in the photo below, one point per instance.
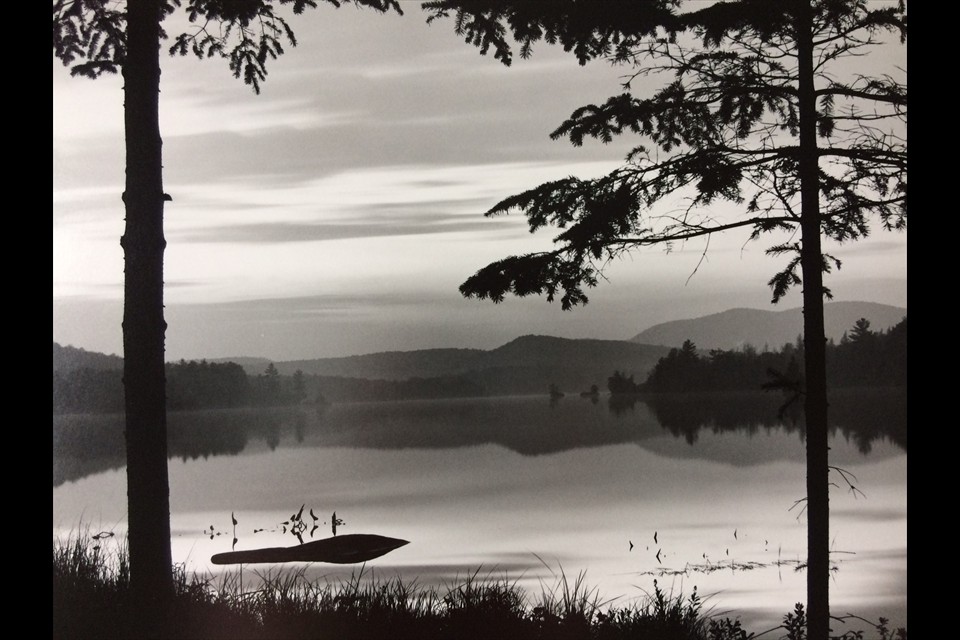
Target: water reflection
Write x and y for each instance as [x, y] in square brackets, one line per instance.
[864, 416]
[86, 444]
[518, 488]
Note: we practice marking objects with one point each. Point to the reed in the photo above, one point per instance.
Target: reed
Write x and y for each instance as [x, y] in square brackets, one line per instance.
[91, 600]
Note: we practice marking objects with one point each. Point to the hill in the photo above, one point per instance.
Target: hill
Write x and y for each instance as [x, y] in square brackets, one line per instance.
[737, 327]
[67, 358]
[525, 365]
[529, 364]
[387, 365]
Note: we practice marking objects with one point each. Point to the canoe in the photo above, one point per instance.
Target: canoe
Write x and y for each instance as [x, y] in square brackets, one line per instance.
[346, 549]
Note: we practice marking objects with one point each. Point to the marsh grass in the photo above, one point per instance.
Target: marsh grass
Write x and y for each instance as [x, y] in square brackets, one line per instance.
[91, 599]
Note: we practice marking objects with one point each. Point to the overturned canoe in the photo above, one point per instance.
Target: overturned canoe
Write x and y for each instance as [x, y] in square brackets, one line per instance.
[345, 549]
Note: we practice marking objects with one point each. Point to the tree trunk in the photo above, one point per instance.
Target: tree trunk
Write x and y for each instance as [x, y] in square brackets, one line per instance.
[148, 488]
[814, 340]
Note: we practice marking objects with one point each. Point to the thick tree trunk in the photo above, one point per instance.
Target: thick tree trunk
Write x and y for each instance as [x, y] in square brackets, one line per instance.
[814, 340]
[148, 489]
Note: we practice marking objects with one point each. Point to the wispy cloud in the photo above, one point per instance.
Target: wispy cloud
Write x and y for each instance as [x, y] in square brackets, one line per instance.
[201, 114]
[872, 515]
[361, 203]
[323, 303]
[274, 232]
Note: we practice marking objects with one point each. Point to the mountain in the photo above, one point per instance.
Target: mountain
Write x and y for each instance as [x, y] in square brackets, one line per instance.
[737, 327]
[529, 364]
[525, 365]
[387, 365]
[69, 358]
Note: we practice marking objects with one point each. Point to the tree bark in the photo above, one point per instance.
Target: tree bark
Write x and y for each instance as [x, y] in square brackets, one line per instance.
[148, 488]
[814, 340]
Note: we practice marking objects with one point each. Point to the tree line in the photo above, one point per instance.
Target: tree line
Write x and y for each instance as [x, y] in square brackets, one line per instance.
[863, 357]
[200, 384]
[190, 385]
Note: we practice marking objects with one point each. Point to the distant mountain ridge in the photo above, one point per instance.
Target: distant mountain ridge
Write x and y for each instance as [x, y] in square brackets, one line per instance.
[524, 365]
[385, 365]
[530, 363]
[737, 327]
[529, 350]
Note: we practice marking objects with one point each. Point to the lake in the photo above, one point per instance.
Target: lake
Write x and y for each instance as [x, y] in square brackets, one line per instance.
[706, 489]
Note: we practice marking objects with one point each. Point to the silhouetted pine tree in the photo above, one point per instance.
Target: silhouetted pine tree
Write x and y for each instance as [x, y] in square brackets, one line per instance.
[102, 36]
[755, 109]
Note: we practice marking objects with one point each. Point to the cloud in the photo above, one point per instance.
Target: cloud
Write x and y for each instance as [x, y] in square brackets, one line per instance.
[87, 195]
[874, 515]
[80, 290]
[374, 202]
[367, 221]
[179, 284]
[321, 303]
[875, 244]
[201, 113]
[269, 233]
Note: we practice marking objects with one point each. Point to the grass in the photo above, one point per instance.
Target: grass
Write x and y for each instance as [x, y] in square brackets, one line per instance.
[91, 599]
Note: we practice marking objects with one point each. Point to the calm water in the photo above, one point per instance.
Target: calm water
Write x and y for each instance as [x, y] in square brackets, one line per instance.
[516, 487]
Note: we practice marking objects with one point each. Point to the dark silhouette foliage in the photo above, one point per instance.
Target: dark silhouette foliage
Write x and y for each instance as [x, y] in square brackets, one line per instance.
[757, 105]
[726, 126]
[87, 390]
[190, 385]
[89, 36]
[871, 360]
[94, 37]
[869, 357]
[620, 384]
[195, 385]
[266, 387]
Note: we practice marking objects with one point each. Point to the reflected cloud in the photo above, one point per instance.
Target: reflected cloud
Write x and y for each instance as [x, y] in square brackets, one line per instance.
[456, 572]
[884, 554]
[441, 576]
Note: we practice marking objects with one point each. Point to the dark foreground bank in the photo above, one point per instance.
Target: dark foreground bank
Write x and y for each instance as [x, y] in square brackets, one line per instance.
[91, 599]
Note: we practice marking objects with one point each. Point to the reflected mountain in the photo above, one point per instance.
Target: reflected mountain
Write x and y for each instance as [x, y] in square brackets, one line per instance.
[528, 425]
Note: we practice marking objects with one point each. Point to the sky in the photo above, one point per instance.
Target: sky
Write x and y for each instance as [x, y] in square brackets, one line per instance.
[338, 212]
